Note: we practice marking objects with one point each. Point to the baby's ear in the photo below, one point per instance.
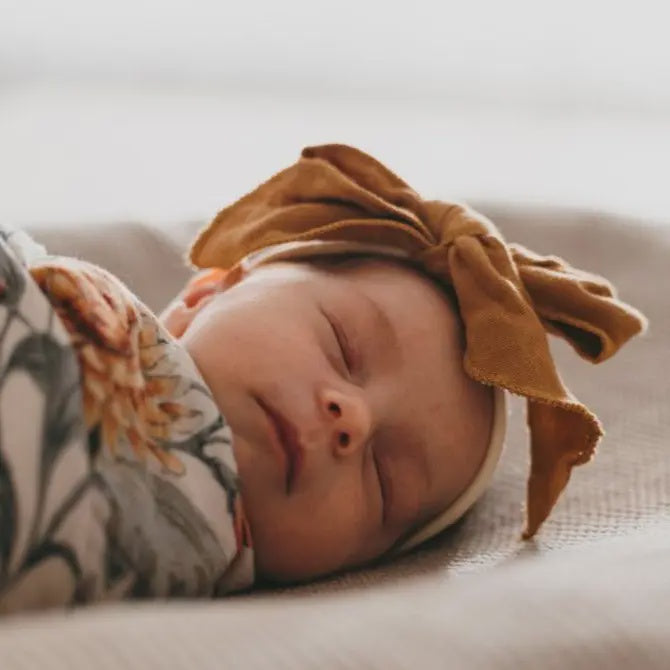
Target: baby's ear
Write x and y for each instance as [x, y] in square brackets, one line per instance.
[199, 290]
[209, 281]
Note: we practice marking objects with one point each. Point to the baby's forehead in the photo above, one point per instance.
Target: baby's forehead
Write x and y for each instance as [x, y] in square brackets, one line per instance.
[353, 264]
[392, 274]
[414, 308]
[375, 272]
[383, 278]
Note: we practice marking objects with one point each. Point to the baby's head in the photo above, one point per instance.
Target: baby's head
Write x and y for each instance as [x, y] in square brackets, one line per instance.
[358, 362]
[367, 363]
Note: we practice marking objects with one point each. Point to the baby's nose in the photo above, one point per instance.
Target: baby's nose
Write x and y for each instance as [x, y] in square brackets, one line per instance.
[349, 421]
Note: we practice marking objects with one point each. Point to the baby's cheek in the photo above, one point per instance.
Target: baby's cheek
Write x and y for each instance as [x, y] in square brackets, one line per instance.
[312, 537]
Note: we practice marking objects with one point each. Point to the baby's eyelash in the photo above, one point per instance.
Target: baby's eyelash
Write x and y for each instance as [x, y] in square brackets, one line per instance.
[342, 341]
[380, 480]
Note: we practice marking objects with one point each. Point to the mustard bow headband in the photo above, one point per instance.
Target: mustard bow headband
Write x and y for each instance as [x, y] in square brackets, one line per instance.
[509, 297]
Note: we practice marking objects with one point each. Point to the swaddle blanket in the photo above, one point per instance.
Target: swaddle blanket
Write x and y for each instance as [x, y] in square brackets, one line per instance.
[117, 475]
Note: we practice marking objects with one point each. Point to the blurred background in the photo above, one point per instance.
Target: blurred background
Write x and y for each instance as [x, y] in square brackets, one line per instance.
[165, 110]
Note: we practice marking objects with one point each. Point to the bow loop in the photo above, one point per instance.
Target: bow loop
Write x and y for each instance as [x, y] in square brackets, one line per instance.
[581, 307]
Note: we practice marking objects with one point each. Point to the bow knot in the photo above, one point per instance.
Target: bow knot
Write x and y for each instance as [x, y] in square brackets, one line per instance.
[447, 222]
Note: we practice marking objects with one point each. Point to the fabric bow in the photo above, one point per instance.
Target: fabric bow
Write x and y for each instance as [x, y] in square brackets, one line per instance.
[508, 296]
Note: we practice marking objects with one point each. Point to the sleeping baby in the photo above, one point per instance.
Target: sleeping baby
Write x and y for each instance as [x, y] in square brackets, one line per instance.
[353, 421]
[327, 392]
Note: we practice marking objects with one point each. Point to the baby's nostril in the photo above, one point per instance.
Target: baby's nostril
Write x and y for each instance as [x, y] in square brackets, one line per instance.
[344, 439]
[334, 408]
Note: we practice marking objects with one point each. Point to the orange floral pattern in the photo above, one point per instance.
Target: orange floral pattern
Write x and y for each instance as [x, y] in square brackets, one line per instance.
[119, 351]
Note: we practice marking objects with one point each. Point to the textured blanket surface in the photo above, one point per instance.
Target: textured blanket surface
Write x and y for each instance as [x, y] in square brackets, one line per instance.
[591, 590]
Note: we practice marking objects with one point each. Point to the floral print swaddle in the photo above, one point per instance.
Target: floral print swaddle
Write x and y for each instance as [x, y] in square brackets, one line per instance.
[117, 474]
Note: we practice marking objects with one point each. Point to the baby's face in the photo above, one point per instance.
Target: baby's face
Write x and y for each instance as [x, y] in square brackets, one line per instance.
[364, 364]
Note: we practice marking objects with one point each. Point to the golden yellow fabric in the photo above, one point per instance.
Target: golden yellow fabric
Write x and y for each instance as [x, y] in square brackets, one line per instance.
[508, 296]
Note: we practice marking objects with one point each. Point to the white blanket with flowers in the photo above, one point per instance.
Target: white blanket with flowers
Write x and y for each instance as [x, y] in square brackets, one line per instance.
[117, 475]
